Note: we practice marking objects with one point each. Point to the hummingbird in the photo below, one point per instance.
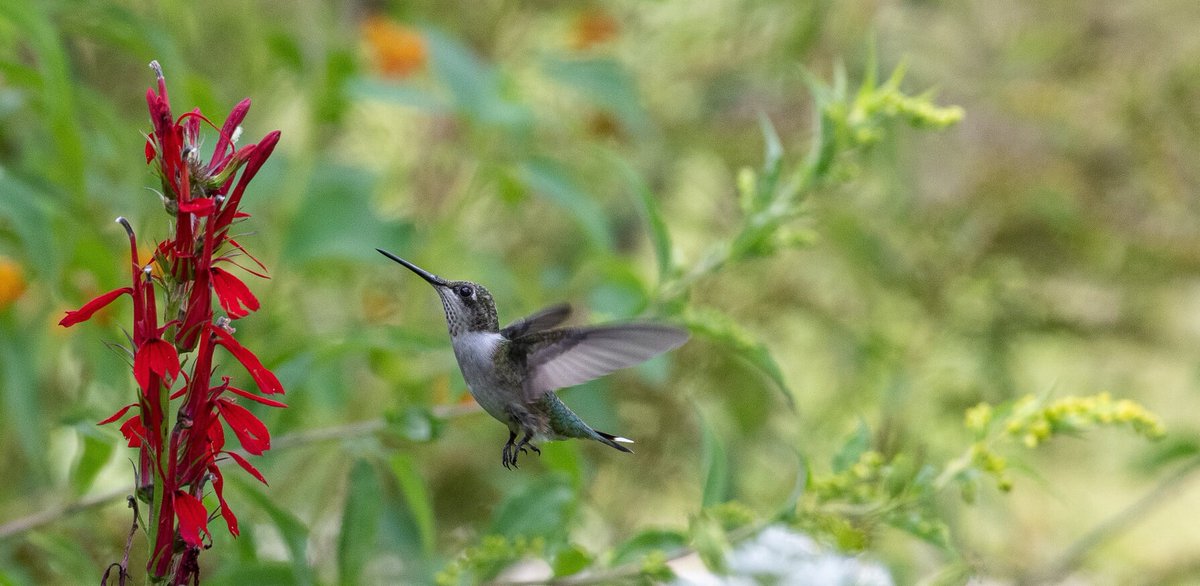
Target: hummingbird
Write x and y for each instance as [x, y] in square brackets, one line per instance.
[512, 372]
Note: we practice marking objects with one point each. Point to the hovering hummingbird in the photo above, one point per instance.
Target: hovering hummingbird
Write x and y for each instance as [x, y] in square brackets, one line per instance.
[513, 372]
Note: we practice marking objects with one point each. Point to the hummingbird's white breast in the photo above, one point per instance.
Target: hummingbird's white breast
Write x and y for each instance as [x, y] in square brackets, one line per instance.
[475, 352]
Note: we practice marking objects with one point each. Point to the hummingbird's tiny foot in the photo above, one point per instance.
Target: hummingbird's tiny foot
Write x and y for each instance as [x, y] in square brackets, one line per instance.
[525, 444]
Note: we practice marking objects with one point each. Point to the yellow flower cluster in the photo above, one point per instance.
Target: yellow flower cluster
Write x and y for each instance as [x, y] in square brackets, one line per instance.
[858, 483]
[1033, 422]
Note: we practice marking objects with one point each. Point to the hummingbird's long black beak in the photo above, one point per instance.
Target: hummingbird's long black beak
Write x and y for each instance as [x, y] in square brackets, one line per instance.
[428, 276]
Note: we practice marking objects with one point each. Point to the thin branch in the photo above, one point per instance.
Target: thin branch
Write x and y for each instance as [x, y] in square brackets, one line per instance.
[298, 439]
[1118, 522]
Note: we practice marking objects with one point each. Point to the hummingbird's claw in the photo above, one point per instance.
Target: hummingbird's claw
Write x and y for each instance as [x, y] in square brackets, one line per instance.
[508, 457]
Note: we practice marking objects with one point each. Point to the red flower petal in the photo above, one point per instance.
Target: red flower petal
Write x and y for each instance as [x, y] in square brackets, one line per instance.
[247, 466]
[200, 207]
[157, 356]
[193, 518]
[226, 512]
[133, 431]
[255, 398]
[150, 152]
[216, 436]
[235, 297]
[117, 415]
[265, 379]
[249, 429]
[225, 139]
[85, 313]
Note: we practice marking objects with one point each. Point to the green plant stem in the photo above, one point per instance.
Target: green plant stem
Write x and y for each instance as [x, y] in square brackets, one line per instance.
[20, 526]
[1110, 527]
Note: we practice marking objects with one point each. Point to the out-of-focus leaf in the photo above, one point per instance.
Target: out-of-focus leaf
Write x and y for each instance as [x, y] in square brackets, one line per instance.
[18, 383]
[285, 49]
[1168, 451]
[716, 467]
[638, 546]
[772, 160]
[474, 85]
[95, 451]
[331, 103]
[551, 180]
[647, 204]
[256, 572]
[853, 448]
[416, 423]
[619, 294]
[24, 211]
[541, 508]
[417, 499]
[931, 530]
[571, 560]
[360, 522]
[291, 529]
[56, 90]
[400, 94]
[606, 83]
[336, 219]
[710, 541]
[69, 559]
[720, 328]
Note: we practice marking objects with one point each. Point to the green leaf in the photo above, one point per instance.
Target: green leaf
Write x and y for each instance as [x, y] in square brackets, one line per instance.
[256, 572]
[651, 213]
[571, 560]
[417, 498]
[720, 328]
[97, 449]
[716, 467]
[291, 529]
[400, 94]
[551, 180]
[604, 82]
[772, 161]
[542, 508]
[25, 211]
[710, 541]
[931, 530]
[336, 219]
[853, 448]
[39, 38]
[416, 423]
[360, 522]
[18, 385]
[474, 85]
[646, 542]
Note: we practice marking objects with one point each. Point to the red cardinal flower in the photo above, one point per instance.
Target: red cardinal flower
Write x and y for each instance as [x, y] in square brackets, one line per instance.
[157, 356]
[235, 297]
[178, 429]
[249, 429]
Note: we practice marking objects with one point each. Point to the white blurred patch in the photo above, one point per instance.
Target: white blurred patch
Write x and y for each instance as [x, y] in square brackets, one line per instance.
[783, 557]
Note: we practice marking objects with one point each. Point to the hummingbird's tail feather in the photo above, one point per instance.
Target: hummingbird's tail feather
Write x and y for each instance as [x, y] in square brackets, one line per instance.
[611, 440]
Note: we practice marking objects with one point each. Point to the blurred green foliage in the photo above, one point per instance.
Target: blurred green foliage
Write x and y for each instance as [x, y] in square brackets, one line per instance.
[750, 168]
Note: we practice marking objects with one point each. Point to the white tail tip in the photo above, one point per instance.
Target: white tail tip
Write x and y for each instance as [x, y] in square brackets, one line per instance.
[623, 440]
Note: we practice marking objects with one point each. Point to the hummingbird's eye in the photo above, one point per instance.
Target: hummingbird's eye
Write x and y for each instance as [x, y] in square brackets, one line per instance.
[465, 291]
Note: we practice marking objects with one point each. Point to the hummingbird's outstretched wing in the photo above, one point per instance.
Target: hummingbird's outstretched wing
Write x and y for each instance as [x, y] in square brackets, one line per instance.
[570, 356]
[538, 321]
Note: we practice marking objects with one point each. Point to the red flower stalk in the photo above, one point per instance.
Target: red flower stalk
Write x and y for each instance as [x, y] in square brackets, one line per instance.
[178, 460]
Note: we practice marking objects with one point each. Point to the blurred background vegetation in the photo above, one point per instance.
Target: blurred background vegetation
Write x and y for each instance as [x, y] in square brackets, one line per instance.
[1048, 244]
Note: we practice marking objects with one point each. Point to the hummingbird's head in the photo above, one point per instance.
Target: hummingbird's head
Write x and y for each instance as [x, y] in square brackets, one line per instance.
[469, 307]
